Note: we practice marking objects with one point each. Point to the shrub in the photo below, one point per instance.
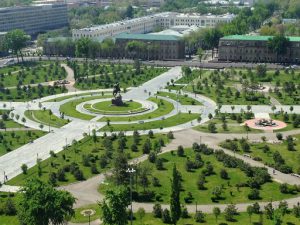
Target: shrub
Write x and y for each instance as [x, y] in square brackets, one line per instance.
[61, 175]
[78, 175]
[180, 151]
[152, 157]
[159, 164]
[199, 217]
[185, 213]
[284, 188]
[223, 174]
[254, 194]
[170, 135]
[94, 169]
[10, 208]
[24, 168]
[155, 182]
[166, 218]
[279, 136]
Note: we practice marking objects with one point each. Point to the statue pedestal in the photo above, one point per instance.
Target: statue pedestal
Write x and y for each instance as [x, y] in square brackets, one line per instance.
[117, 101]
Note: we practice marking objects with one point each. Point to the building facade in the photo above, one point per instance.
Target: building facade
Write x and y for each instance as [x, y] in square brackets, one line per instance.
[147, 24]
[156, 47]
[35, 18]
[246, 48]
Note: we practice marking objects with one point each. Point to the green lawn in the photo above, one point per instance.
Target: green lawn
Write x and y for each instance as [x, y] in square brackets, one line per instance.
[69, 108]
[59, 99]
[232, 128]
[33, 73]
[75, 154]
[182, 99]
[31, 93]
[209, 219]
[291, 158]
[267, 191]
[79, 218]
[164, 108]
[44, 117]
[220, 87]
[127, 77]
[6, 219]
[288, 122]
[8, 122]
[11, 140]
[11, 124]
[241, 218]
[177, 119]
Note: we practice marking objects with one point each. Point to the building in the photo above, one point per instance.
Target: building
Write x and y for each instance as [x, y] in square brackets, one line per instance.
[147, 24]
[157, 47]
[246, 48]
[35, 18]
[155, 3]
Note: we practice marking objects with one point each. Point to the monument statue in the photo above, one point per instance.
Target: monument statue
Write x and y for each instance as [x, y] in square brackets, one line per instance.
[117, 100]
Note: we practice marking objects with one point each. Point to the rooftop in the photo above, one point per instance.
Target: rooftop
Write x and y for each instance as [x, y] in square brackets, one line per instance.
[255, 38]
[150, 37]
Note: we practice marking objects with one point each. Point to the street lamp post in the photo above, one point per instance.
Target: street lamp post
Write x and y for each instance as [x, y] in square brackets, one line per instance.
[130, 171]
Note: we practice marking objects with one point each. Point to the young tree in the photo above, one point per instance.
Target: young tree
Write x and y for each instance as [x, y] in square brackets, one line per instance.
[114, 206]
[250, 211]
[216, 212]
[42, 204]
[229, 212]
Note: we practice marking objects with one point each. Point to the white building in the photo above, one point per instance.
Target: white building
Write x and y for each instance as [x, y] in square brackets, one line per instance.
[147, 24]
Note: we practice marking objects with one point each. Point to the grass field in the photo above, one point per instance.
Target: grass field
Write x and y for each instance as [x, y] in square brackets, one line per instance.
[31, 93]
[209, 219]
[291, 158]
[126, 77]
[33, 73]
[11, 140]
[69, 108]
[164, 108]
[59, 99]
[44, 117]
[230, 193]
[182, 99]
[177, 119]
[232, 128]
[75, 153]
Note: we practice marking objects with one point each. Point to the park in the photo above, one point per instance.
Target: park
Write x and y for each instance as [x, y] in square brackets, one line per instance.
[229, 138]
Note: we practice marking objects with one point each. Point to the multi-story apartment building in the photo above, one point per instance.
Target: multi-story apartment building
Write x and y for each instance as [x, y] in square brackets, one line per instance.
[246, 48]
[147, 24]
[157, 47]
[35, 18]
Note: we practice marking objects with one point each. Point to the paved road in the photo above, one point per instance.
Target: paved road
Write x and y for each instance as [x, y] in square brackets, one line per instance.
[211, 65]
[152, 86]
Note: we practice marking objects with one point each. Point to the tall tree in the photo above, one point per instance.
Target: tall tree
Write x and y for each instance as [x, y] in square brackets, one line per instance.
[114, 206]
[82, 47]
[41, 204]
[279, 45]
[14, 41]
[175, 196]
[120, 175]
